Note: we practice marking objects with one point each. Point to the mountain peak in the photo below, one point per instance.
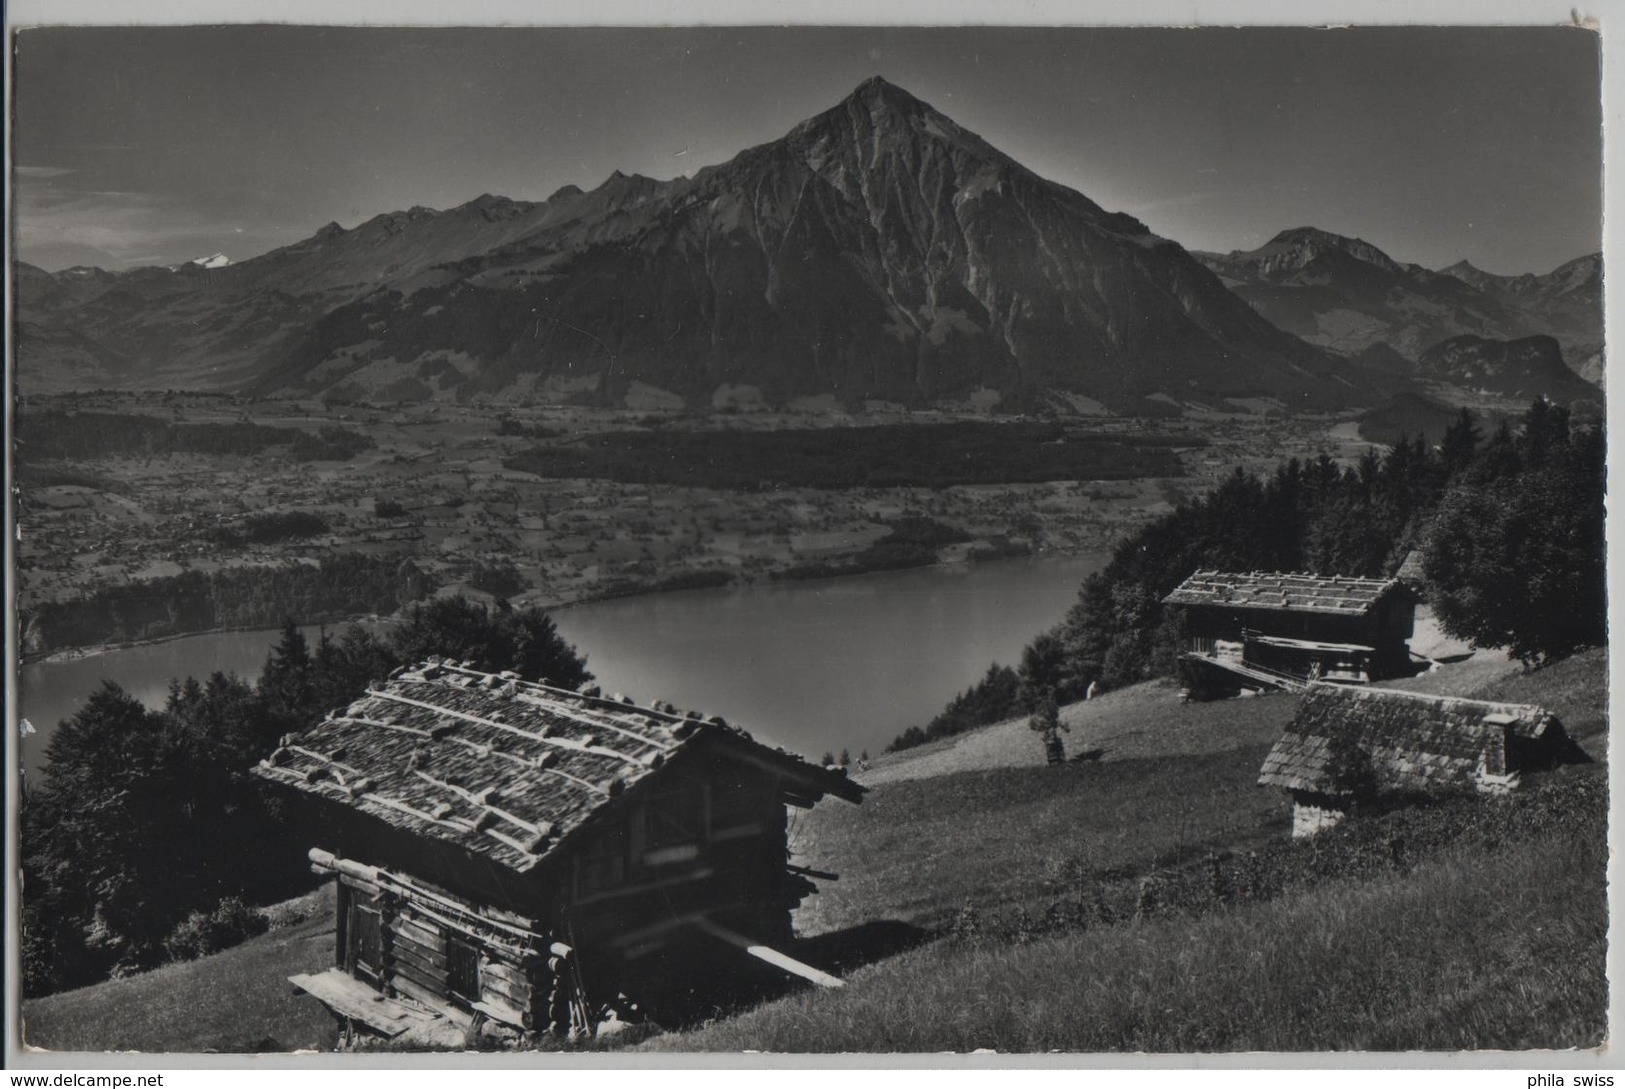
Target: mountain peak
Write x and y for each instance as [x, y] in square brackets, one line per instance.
[881, 114]
[877, 89]
[1310, 240]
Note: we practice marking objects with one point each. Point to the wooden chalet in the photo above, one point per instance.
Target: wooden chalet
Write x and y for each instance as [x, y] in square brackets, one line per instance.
[1405, 743]
[1272, 630]
[511, 853]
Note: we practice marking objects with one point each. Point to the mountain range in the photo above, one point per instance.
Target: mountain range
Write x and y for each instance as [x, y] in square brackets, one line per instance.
[878, 251]
[1349, 296]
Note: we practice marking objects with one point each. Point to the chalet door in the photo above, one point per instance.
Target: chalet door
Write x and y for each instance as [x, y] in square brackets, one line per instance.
[462, 969]
[364, 950]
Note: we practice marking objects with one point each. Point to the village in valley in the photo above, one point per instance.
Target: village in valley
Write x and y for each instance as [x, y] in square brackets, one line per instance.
[1312, 757]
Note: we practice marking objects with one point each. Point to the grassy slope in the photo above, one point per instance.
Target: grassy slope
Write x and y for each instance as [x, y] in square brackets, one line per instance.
[237, 1000]
[1442, 958]
[1146, 720]
[919, 849]
[1504, 950]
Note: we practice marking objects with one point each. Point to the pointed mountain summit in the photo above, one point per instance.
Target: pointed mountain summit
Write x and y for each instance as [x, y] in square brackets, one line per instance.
[878, 250]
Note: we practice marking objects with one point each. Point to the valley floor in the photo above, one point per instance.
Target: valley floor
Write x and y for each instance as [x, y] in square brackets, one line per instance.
[433, 487]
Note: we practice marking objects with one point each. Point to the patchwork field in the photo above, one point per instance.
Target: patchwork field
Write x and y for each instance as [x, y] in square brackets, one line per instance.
[555, 504]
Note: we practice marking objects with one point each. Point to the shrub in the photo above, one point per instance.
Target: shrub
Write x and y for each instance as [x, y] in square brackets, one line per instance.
[199, 934]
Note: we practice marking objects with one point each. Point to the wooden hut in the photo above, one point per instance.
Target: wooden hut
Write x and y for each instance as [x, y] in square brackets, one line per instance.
[532, 857]
[1345, 742]
[1273, 630]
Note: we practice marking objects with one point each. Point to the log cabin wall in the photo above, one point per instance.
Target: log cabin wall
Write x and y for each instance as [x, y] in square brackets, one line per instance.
[403, 937]
[528, 852]
[710, 842]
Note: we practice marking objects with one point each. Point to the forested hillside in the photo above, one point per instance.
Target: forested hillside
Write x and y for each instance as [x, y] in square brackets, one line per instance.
[1511, 528]
[149, 840]
[262, 596]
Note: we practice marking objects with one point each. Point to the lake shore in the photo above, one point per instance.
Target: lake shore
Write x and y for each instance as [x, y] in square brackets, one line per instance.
[845, 662]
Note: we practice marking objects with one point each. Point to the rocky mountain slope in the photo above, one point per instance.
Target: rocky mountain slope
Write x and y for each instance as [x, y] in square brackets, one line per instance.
[1567, 302]
[1521, 369]
[877, 251]
[1347, 295]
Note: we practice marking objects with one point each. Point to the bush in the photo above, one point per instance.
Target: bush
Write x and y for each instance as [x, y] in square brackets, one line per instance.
[498, 577]
[199, 934]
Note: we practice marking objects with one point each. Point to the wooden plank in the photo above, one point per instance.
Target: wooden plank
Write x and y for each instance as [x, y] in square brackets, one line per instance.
[354, 999]
[409, 929]
[699, 873]
[428, 998]
[553, 707]
[772, 956]
[483, 941]
[328, 860]
[383, 725]
[405, 969]
[512, 974]
[528, 929]
[498, 1010]
[359, 885]
[523, 921]
[738, 831]
[423, 959]
[341, 929]
[516, 994]
[557, 742]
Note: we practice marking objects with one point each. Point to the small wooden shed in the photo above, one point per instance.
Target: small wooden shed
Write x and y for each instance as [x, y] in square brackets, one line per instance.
[1269, 629]
[1398, 742]
[541, 858]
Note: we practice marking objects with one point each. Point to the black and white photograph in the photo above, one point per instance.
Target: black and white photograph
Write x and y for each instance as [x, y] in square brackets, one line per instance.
[614, 541]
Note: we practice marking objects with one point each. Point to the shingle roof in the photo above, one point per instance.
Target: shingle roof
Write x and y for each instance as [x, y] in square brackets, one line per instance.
[1415, 742]
[1343, 594]
[503, 767]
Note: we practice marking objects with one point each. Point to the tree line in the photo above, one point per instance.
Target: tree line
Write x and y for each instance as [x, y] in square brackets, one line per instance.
[876, 456]
[1510, 526]
[148, 836]
[342, 585]
[75, 436]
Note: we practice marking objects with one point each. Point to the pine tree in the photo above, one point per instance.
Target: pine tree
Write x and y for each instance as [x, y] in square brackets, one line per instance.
[285, 688]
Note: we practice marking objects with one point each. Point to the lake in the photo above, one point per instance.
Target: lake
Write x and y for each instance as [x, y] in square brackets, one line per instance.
[814, 666]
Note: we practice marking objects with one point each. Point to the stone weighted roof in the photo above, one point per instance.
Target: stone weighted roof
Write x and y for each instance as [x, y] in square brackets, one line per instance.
[1339, 594]
[504, 767]
[1415, 742]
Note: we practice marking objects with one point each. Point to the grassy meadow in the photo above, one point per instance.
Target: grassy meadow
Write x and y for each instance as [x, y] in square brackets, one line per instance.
[238, 1000]
[1471, 950]
[1136, 902]
[920, 850]
[1157, 904]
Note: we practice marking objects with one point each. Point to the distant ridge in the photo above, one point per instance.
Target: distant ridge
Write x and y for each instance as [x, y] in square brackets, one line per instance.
[877, 251]
[1347, 295]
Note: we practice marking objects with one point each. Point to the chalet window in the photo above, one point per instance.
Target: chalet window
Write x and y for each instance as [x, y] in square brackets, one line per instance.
[736, 800]
[603, 861]
[463, 969]
[674, 817]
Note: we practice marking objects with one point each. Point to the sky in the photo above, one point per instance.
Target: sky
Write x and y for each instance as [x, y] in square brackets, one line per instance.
[152, 145]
